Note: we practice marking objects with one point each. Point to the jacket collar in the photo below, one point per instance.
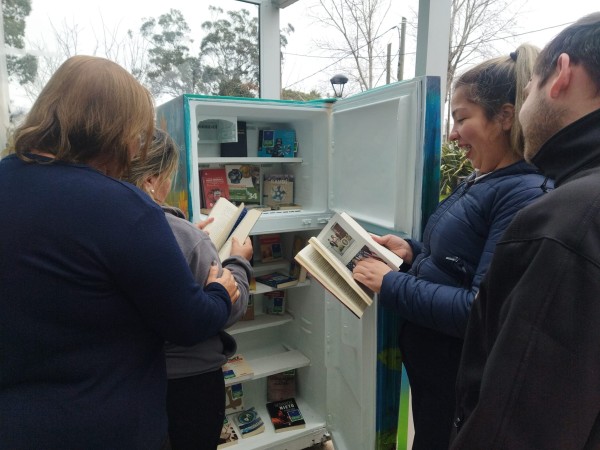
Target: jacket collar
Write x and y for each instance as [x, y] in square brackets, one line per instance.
[572, 149]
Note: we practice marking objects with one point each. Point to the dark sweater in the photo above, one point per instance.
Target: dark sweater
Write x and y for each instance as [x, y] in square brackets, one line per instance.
[92, 282]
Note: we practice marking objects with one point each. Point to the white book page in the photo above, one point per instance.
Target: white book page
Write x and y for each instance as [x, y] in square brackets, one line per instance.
[324, 273]
[241, 232]
[349, 242]
[225, 214]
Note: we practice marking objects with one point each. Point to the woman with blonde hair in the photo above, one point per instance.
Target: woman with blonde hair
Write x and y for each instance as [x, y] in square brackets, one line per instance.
[436, 286]
[92, 281]
[196, 387]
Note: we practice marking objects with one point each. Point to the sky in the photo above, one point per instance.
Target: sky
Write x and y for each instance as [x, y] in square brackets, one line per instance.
[305, 66]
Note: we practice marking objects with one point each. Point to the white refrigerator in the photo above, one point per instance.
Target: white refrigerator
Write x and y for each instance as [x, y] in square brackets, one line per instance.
[375, 156]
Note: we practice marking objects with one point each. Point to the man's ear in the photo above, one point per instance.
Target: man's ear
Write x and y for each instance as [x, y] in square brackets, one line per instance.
[507, 116]
[564, 74]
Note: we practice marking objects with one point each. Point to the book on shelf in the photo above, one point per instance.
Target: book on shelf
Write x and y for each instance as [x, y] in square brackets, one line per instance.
[281, 385]
[277, 280]
[244, 183]
[234, 398]
[270, 247]
[278, 143]
[248, 422]
[213, 183]
[331, 256]
[238, 148]
[295, 268]
[274, 302]
[285, 415]
[249, 314]
[228, 435]
[237, 368]
[230, 221]
[278, 191]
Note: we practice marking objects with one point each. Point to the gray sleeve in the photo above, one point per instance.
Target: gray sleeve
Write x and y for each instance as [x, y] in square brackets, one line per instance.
[242, 271]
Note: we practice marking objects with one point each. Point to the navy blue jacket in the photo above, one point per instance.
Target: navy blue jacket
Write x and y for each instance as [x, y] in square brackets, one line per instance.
[458, 243]
[92, 282]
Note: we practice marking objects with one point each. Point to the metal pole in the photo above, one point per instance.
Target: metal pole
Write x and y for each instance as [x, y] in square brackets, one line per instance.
[388, 66]
[401, 50]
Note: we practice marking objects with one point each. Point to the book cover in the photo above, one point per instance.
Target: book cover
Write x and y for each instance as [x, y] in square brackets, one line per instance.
[244, 183]
[277, 280]
[249, 314]
[270, 247]
[277, 143]
[234, 398]
[298, 244]
[239, 148]
[248, 422]
[274, 302]
[278, 190]
[237, 368]
[331, 256]
[281, 385]
[285, 415]
[228, 435]
[214, 185]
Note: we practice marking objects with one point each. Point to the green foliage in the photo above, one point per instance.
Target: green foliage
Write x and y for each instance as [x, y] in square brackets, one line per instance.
[289, 94]
[22, 69]
[229, 52]
[454, 167]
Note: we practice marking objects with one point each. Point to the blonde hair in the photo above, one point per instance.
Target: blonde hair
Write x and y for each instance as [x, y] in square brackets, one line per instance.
[498, 81]
[91, 111]
[161, 160]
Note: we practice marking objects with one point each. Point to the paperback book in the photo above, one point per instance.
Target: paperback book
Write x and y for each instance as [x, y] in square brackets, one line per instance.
[248, 422]
[285, 415]
[274, 302]
[243, 183]
[270, 247]
[228, 435]
[237, 369]
[277, 280]
[230, 221]
[214, 186]
[234, 398]
[331, 256]
[281, 385]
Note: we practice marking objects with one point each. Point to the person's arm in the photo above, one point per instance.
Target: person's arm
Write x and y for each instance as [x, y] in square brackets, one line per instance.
[149, 267]
[538, 388]
[446, 308]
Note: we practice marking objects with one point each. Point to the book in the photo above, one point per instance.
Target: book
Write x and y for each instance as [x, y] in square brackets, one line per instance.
[249, 314]
[285, 415]
[281, 385]
[239, 148]
[234, 398]
[331, 256]
[230, 221]
[228, 435]
[295, 268]
[248, 422]
[274, 302]
[244, 183]
[270, 247]
[278, 190]
[213, 183]
[237, 369]
[277, 280]
[277, 143]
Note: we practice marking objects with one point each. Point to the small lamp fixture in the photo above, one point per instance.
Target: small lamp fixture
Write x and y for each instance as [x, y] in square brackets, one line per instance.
[337, 83]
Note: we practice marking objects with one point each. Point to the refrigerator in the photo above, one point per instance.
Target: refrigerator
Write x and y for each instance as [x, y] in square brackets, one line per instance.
[373, 155]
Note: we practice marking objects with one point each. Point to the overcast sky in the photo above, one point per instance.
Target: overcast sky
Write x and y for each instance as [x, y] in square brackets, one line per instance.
[304, 67]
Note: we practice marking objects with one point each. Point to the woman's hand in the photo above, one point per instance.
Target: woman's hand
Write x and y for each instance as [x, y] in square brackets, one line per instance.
[244, 250]
[226, 280]
[397, 245]
[370, 272]
[202, 224]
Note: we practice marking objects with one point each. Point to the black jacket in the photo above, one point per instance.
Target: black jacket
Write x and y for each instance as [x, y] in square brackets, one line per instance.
[530, 369]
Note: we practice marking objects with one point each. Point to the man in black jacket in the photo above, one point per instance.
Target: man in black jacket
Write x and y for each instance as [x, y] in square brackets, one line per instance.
[530, 371]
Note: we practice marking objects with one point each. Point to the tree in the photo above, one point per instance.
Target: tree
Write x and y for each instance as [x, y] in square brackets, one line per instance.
[476, 26]
[289, 94]
[358, 23]
[21, 69]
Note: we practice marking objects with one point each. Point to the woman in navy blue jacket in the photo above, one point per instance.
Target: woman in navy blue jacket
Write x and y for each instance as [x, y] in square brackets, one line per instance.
[435, 294]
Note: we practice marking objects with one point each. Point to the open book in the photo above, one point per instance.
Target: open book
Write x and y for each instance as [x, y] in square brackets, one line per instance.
[230, 221]
[331, 256]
